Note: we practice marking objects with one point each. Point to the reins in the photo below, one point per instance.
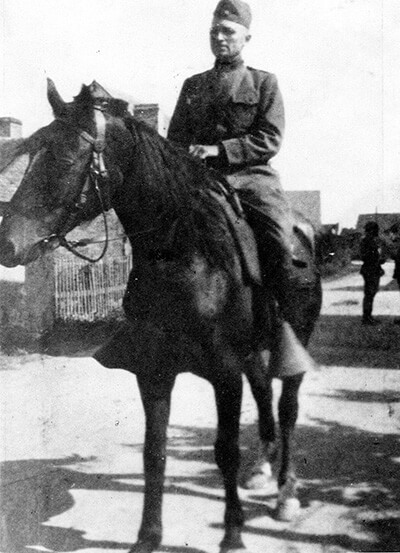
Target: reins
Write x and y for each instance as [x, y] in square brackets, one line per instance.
[97, 171]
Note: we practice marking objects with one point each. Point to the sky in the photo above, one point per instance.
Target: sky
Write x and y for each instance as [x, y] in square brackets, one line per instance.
[337, 63]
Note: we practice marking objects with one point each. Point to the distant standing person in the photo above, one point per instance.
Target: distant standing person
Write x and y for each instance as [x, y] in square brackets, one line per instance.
[371, 270]
[394, 233]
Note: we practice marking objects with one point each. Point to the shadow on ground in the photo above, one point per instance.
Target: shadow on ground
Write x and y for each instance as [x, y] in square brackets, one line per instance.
[391, 286]
[337, 340]
[33, 491]
[337, 465]
[79, 339]
[344, 341]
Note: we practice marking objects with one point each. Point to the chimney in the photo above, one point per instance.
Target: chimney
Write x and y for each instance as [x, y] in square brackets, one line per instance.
[10, 127]
[147, 113]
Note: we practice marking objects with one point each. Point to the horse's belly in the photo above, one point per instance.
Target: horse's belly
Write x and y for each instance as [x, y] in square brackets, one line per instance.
[182, 314]
[190, 299]
[175, 296]
[210, 289]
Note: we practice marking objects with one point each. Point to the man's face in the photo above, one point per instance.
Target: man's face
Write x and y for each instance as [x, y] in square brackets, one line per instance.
[227, 38]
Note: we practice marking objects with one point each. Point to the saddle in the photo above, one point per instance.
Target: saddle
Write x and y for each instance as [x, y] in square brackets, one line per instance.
[246, 243]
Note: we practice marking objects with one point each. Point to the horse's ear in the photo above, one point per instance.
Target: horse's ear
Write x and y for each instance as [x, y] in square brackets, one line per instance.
[117, 107]
[84, 98]
[56, 102]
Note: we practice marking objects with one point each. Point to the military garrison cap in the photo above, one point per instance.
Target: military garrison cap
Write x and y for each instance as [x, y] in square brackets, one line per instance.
[234, 10]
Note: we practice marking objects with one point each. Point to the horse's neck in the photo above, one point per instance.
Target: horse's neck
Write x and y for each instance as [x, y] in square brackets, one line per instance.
[130, 218]
[144, 201]
[163, 203]
[139, 215]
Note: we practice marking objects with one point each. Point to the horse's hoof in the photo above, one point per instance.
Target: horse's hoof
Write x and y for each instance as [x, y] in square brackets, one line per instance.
[259, 478]
[288, 509]
[225, 549]
[142, 547]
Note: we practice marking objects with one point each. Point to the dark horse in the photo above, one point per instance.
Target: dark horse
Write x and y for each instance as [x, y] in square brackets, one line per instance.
[189, 304]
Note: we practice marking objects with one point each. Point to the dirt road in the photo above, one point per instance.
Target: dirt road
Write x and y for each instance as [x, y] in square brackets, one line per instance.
[71, 443]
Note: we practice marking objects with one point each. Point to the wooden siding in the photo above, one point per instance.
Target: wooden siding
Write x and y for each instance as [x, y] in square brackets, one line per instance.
[90, 292]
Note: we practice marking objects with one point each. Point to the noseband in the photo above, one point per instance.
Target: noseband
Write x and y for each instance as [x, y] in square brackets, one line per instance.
[97, 171]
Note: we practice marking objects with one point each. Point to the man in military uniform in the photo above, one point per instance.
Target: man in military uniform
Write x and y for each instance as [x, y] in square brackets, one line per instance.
[371, 269]
[232, 116]
[394, 236]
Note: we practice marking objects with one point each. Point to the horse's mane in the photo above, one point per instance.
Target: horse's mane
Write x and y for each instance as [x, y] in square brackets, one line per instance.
[181, 184]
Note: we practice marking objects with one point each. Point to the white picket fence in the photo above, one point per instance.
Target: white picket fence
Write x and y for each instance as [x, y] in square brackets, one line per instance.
[90, 291]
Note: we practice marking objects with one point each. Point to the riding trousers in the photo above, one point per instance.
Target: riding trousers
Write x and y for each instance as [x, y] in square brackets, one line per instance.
[268, 213]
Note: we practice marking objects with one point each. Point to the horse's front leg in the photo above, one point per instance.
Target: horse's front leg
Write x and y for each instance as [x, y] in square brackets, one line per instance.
[156, 402]
[288, 505]
[260, 473]
[228, 394]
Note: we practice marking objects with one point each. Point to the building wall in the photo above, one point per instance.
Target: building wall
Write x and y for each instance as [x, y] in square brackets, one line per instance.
[147, 113]
[308, 203]
[10, 127]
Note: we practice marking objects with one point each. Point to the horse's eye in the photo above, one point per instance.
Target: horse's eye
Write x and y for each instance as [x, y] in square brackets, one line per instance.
[65, 163]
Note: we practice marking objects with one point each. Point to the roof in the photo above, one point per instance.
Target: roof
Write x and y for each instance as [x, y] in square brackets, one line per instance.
[11, 176]
[384, 220]
[332, 228]
[11, 120]
[98, 91]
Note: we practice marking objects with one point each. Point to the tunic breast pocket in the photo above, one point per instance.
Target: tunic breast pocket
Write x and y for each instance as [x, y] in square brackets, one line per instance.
[199, 111]
[242, 115]
[242, 110]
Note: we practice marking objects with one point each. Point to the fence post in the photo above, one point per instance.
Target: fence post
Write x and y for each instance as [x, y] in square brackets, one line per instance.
[40, 295]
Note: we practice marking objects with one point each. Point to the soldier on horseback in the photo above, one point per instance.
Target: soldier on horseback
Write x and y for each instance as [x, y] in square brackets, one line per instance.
[232, 116]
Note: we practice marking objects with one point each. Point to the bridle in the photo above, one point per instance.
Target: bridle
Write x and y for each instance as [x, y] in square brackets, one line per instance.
[97, 172]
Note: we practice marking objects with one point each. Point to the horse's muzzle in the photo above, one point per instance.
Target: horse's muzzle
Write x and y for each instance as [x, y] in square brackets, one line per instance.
[10, 257]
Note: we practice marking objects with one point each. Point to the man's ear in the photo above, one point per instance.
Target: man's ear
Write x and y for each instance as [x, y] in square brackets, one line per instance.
[248, 38]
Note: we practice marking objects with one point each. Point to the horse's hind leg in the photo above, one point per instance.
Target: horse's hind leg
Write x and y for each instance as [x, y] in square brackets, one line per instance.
[260, 472]
[288, 504]
[156, 398]
[228, 394]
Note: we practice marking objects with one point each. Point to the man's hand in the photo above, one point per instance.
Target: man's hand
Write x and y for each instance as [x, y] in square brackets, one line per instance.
[203, 151]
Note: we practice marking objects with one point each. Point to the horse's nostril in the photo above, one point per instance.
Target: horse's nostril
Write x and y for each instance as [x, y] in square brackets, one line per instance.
[7, 254]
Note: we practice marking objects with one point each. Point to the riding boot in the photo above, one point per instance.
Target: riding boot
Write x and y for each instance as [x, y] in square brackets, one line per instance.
[288, 355]
[269, 217]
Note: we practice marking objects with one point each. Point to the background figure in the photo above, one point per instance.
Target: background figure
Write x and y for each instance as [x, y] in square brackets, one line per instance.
[394, 235]
[371, 270]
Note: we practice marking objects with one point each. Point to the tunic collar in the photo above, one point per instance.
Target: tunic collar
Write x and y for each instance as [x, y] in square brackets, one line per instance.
[228, 66]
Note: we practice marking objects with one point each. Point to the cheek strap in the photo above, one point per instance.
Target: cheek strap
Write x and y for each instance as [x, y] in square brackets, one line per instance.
[97, 166]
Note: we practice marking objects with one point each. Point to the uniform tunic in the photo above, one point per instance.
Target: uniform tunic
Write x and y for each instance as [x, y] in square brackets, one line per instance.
[240, 109]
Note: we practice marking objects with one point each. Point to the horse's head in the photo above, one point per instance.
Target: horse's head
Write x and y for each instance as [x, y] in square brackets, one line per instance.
[76, 164]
